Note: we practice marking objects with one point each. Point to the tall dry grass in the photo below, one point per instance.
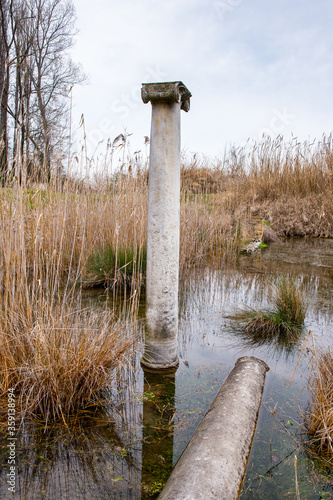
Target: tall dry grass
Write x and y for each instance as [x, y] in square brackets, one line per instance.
[289, 184]
[57, 237]
[59, 363]
[57, 354]
[319, 418]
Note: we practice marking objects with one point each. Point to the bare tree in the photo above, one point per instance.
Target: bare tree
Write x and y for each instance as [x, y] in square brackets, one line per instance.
[36, 75]
[4, 85]
[52, 71]
[23, 40]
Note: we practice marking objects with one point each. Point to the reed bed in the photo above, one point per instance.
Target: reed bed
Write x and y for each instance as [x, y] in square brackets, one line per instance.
[319, 418]
[56, 354]
[60, 237]
[288, 184]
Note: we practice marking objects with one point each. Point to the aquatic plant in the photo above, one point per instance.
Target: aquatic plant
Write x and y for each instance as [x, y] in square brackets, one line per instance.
[112, 267]
[56, 354]
[319, 416]
[58, 364]
[284, 321]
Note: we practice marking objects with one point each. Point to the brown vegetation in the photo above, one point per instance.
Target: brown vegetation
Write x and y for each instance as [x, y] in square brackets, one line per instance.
[56, 238]
[57, 361]
[319, 420]
[282, 324]
[56, 354]
[289, 185]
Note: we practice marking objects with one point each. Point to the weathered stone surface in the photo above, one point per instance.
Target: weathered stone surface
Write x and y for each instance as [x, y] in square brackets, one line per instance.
[251, 247]
[163, 224]
[213, 463]
[166, 91]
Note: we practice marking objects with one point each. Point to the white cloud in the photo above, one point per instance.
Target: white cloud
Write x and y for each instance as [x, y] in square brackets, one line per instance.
[242, 66]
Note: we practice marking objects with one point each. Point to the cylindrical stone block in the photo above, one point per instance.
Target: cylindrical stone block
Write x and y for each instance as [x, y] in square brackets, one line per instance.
[163, 224]
[163, 237]
[212, 465]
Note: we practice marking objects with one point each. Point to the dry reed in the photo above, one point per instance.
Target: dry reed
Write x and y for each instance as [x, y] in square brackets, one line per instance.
[60, 363]
[51, 234]
[319, 419]
[56, 355]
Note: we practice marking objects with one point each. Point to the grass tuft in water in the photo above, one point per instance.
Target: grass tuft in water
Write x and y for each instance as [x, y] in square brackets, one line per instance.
[58, 363]
[116, 266]
[284, 321]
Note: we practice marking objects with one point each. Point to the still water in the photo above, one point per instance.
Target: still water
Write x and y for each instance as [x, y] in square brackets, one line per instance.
[127, 448]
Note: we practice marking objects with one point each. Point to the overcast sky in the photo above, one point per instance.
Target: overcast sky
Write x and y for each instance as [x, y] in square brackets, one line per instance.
[252, 66]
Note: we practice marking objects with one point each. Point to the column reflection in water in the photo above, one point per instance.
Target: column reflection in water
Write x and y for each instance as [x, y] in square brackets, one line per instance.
[158, 432]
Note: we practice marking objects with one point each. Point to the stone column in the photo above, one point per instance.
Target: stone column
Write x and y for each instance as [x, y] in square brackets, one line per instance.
[212, 466]
[163, 224]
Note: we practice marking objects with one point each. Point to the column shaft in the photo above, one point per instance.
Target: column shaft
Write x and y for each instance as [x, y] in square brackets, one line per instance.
[167, 99]
[163, 237]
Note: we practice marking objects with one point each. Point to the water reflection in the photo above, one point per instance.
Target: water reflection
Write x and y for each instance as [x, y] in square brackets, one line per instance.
[89, 462]
[97, 457]
[158, 432]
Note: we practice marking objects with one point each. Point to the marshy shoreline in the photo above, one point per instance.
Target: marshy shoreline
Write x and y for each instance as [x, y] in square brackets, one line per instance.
[58, 240]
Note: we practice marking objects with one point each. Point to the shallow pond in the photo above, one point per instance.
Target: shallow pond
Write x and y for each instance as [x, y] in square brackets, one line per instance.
[126, 449]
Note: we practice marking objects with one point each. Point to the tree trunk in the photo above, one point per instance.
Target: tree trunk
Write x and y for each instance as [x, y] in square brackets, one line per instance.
[4, 89]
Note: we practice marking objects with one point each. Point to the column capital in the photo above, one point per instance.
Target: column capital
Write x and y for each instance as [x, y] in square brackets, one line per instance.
[166, 91]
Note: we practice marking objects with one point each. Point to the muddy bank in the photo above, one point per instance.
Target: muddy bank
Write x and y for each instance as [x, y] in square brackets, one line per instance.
[305, 217]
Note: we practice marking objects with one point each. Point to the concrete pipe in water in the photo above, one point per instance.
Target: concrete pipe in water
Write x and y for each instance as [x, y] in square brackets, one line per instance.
[212, 465]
